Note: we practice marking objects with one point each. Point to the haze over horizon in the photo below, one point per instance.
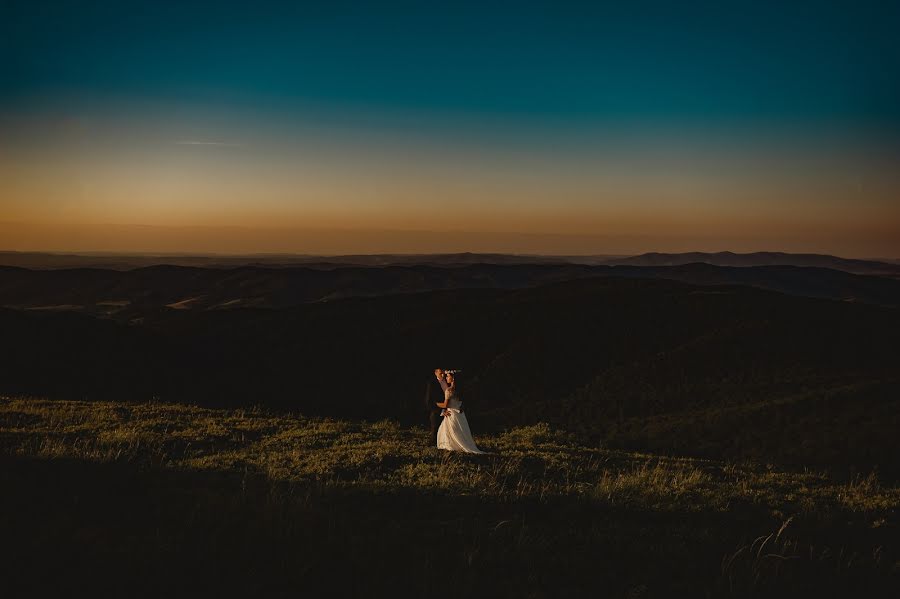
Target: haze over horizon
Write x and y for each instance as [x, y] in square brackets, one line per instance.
[550, 129]
[239, 241]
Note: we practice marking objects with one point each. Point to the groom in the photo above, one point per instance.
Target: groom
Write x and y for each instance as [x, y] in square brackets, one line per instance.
[431, 398]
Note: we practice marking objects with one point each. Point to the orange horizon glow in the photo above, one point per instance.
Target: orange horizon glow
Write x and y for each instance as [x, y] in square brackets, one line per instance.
[118, 186]
[213, 240]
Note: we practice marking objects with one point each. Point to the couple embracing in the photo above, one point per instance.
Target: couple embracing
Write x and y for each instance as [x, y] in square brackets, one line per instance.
[453, 433]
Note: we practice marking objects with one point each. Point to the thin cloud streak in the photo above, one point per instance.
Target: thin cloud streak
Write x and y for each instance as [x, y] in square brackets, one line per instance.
[190, 142]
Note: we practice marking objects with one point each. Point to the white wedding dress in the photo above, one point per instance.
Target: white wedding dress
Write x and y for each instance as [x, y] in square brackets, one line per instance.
[454, 433]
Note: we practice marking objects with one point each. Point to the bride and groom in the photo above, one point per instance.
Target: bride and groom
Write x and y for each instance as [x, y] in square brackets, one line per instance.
[454, 433]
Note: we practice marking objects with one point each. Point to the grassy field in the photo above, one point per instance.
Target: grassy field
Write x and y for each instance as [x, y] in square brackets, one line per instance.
[163, 499]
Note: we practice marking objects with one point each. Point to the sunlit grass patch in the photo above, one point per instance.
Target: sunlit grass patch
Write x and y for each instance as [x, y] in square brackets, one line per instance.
[536, 462]
[317, 486]
[655, 483]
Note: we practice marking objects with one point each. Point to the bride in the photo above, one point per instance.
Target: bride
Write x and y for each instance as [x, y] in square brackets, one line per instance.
[454, 433]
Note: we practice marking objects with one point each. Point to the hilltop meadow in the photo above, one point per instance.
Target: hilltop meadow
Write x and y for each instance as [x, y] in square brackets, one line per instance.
[260, 432]
[155, 499]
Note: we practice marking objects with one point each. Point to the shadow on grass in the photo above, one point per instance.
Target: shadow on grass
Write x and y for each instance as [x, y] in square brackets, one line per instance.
[73, 526]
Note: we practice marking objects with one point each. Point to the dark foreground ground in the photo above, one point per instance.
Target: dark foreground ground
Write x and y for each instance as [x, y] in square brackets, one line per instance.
[102, 499]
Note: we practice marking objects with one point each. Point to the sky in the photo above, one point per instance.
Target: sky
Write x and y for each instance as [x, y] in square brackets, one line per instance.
[558, 128]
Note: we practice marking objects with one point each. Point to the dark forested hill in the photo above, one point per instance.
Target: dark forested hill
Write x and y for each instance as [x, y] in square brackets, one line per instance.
[42, 260]
[861, 267]
[128, 294]
[630, 361]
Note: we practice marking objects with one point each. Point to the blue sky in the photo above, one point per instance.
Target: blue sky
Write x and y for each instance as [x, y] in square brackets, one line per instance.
[555, 63]
[540, 117]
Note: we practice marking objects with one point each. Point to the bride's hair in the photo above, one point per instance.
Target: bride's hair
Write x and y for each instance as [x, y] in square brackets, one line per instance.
[451, 380]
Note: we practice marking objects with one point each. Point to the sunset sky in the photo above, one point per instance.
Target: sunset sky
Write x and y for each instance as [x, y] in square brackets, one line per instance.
[429, 127]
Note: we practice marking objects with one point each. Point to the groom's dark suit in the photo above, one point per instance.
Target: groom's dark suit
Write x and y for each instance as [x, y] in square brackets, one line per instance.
[434, 393]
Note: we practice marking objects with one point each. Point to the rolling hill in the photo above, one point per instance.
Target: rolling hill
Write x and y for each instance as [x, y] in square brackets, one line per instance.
[860, 267]
[127, 294]
[621, 360]
[46, 260]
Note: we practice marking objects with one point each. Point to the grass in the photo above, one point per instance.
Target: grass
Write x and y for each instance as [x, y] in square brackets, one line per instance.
[281, 503]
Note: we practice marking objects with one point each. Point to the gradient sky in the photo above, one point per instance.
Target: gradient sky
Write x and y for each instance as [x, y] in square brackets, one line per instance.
[413, 127]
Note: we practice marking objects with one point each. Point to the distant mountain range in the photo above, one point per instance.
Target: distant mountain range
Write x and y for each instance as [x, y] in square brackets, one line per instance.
[862, 267]
[129, 294]
[38, 260]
